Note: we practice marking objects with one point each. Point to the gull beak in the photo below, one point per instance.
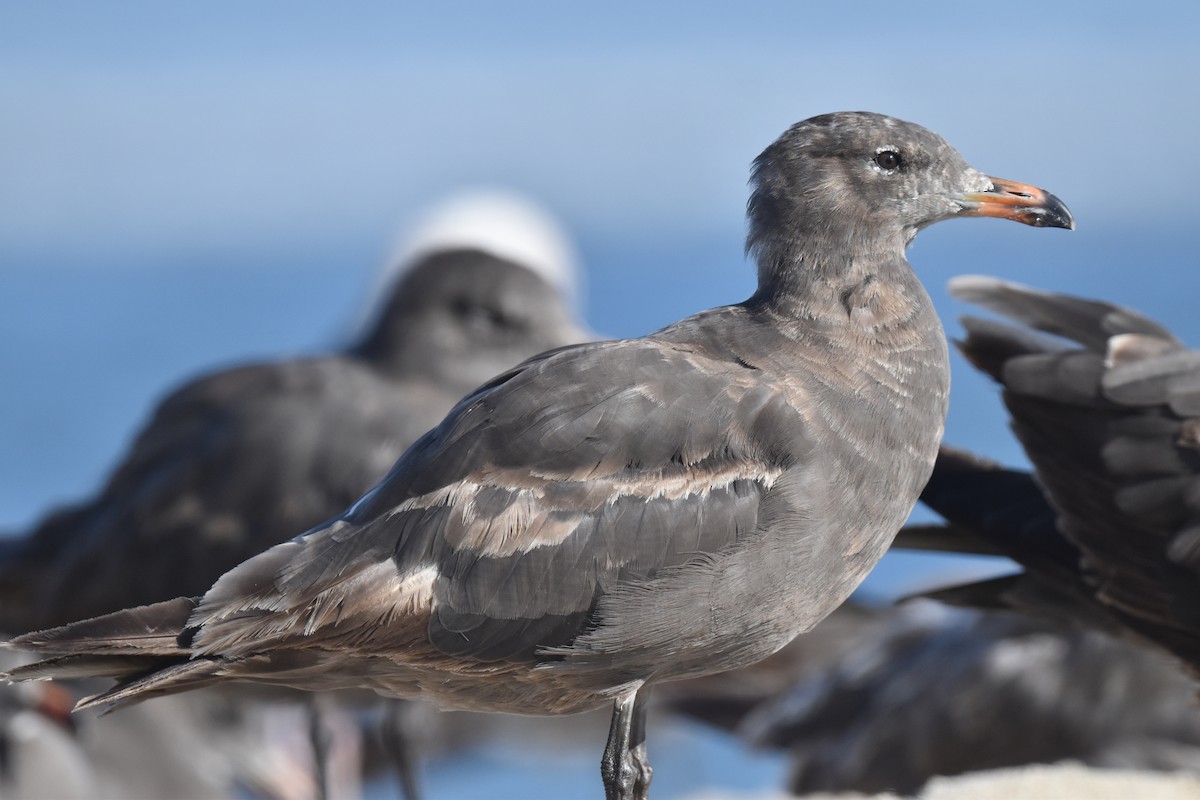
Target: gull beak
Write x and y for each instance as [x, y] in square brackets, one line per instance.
[1020, 202]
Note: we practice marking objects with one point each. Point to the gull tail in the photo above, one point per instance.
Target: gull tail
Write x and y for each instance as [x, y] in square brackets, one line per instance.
[146, 650]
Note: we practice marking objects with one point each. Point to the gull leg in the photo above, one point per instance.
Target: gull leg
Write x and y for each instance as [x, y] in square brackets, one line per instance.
[626, 774]
[637, 751]
[321, 742]
[396, 733]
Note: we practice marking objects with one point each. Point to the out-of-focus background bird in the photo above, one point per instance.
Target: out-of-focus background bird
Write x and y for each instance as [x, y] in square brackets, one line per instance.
[889, 698]
[184, 187]
[242, 459]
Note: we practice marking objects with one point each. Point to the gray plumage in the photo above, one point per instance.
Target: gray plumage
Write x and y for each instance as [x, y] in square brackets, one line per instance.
[1110, 419]
[725, 699]
[621, 513]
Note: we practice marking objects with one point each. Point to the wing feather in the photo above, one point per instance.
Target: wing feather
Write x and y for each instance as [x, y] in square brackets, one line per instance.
[1110, 428]
[539, 494]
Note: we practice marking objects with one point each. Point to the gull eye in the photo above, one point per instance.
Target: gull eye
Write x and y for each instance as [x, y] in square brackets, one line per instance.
[888, 160]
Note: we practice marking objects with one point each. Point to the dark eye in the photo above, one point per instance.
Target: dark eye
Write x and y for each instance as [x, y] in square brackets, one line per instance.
[888, 160]
[479, 316]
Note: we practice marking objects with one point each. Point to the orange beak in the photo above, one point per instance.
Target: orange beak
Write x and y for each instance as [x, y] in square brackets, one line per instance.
[1020, 202]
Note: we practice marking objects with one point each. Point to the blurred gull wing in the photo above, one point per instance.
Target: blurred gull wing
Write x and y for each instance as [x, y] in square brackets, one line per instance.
[1111, 429]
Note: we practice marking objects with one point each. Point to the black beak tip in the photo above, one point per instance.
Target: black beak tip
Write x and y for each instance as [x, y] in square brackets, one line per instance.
[1054, 214]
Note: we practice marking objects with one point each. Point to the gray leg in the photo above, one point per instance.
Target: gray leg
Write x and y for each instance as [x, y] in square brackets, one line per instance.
[637, 748]
[624, 768]
[320, 740]
[396, 734]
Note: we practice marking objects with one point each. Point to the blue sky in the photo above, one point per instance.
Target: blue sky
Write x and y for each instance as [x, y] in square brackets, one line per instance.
[182, 186]
[142, 125]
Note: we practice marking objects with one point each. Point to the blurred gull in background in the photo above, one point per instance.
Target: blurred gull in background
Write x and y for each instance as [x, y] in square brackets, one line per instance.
[503, 224]
[889, 698]
[239, 460]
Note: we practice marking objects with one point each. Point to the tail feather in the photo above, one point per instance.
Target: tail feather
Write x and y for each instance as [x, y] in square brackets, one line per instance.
[79, 667]
[147, 631]
[146, 650]
[156, 682]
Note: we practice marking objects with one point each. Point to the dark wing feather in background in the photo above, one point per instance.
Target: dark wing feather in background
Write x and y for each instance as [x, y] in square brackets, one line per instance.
[1111, 428]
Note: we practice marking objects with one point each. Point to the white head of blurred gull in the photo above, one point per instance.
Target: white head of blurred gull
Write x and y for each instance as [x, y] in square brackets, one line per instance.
[611, 515]
[504, 224]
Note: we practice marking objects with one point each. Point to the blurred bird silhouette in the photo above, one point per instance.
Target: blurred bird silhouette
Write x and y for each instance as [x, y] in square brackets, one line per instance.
[242, 459]
[890, 698]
